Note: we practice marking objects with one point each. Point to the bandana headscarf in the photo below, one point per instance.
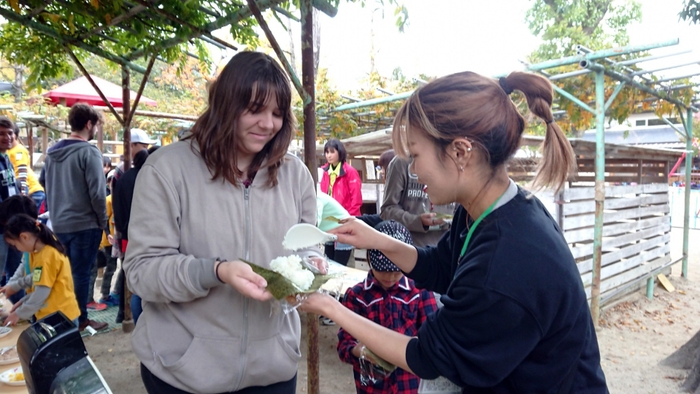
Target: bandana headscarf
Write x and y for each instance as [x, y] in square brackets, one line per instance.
[377, 260]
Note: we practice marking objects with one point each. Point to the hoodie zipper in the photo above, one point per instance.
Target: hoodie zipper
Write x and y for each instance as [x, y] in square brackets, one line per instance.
[244, 338]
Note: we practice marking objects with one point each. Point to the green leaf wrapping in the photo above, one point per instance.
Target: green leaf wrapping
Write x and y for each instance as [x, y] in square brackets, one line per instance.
[387, 366]
[281, 287]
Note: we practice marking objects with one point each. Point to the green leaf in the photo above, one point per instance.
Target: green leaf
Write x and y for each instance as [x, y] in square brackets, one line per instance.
[281, 287]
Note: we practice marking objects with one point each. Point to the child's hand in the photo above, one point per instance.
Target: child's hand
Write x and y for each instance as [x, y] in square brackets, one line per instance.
[110, 239]
[12, 319]
[15, 306]
[7, 290]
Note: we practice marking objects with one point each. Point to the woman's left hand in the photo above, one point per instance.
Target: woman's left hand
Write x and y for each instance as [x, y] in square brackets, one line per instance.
[242, 278]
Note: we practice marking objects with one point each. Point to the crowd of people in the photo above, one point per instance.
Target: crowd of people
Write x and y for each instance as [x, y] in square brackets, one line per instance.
[512, 315]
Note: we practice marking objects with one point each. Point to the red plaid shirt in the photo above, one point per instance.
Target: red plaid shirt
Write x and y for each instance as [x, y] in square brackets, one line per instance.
[402, 308]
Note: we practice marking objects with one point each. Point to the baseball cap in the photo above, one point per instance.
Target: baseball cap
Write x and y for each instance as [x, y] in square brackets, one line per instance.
[139, 136]
[377, 260]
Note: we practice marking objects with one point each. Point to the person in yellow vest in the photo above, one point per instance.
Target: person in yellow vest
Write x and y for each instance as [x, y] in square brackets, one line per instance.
[50, 282]
[105, 260]
[28, 181]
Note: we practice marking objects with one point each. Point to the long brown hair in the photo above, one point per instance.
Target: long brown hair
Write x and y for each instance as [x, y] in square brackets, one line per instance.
[478, 108]
[246, 83]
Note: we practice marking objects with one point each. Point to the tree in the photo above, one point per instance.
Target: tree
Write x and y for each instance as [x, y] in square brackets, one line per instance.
[594, 24]
[691, 11]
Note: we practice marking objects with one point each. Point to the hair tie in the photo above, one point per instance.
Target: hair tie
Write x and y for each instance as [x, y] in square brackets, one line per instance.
[504, 85]
[38, 224]
[549, 121]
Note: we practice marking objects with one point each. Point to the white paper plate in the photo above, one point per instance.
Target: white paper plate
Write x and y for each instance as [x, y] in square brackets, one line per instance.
[5, 377]
[11, 360]
[5, 331]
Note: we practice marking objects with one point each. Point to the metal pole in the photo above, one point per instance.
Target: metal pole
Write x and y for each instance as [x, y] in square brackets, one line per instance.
[30, 142]
[599, 195]
[307, 73]
[688, 179]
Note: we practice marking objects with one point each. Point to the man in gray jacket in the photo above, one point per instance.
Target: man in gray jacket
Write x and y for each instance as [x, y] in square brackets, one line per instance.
[75, 196]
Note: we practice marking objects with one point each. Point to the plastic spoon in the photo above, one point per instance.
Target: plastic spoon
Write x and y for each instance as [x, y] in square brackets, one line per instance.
[304, 235]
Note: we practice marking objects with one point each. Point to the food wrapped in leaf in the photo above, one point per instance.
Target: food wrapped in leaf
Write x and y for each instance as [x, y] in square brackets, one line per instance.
[288, 277]
[387, 366]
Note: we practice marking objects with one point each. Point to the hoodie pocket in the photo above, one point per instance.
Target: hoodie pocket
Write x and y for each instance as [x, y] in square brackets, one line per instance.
[270, 360]
[208, 365]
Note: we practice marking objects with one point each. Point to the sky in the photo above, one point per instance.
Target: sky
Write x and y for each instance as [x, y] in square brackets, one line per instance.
[447, 36]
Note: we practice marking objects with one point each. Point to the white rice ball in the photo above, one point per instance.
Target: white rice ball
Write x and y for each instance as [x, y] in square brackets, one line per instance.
[291, 268]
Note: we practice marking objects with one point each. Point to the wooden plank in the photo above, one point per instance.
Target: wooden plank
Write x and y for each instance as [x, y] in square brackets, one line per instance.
[666, 283]
[609, 258]
[630, 263]
[588, 193]
[586, 206]
[611, 242]
[632, 274]
[586, 234]
[572, 222]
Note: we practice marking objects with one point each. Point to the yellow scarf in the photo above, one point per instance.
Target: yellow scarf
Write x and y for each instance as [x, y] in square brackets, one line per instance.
[333, 173]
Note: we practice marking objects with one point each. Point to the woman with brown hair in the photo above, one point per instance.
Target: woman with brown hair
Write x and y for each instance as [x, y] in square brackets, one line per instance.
[227, 192]
[515, 317]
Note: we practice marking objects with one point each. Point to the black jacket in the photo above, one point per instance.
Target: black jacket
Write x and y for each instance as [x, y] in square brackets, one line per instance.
[515, 317]
[123, 194]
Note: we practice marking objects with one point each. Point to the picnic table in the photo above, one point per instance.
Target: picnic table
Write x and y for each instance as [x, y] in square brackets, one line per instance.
[6, 341]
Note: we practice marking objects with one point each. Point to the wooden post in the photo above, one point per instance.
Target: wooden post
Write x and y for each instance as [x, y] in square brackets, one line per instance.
[308, 84]
[30, 142]
[44, 140]
[128, 322]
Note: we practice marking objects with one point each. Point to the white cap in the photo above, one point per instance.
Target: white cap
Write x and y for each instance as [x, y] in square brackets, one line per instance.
[139, 136]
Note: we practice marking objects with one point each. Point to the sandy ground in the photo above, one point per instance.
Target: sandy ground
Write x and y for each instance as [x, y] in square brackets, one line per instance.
[634, 336]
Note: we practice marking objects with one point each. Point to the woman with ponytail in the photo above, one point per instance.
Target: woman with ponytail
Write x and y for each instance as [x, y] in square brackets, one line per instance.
[49, 282]
[515, 317]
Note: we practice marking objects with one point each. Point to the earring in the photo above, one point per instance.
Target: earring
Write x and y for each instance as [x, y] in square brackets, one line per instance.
[461, 168]
[469, 149]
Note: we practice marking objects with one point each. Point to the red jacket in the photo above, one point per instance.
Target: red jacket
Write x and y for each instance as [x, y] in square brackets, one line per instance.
[347, 189]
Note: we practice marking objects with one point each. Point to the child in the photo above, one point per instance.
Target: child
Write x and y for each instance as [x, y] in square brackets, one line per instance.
[50, 283]
[388, 298]
[105, 260]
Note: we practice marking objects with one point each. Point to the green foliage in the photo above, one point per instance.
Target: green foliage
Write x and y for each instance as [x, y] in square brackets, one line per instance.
[594, 24]
[88, 24]
[691, 11]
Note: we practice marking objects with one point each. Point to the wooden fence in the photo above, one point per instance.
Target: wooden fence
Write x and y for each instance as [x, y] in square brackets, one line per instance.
[636, 233]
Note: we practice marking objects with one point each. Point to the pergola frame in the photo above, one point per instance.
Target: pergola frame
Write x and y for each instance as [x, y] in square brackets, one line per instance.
[601, 64]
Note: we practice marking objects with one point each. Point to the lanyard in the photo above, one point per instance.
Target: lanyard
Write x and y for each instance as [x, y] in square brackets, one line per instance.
[476, 223]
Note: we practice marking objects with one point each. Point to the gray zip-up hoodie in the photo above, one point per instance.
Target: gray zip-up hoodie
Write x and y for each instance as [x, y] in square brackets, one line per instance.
[404, 202]
[196, 333]
[75, 187]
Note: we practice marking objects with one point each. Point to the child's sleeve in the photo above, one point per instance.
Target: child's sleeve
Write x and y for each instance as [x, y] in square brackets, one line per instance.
[427, 306]
[33, 302]
[347, 342]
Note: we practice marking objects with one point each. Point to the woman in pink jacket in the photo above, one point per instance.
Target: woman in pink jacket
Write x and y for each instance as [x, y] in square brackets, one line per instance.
[342, 182]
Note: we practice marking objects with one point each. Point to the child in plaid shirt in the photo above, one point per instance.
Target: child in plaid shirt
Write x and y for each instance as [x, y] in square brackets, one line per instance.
[388, 298]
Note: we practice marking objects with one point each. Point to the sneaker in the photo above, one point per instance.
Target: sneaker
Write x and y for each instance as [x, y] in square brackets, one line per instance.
[326, 321]
[110, 300]
[95, 325]
[94, 306]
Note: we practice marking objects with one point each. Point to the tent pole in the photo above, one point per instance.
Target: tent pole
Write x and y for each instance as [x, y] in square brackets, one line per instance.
[94, 85]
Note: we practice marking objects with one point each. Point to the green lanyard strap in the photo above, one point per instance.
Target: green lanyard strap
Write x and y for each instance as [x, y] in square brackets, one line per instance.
[476, 223]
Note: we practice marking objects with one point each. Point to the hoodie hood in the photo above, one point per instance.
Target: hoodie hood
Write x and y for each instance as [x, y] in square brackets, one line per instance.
[64, 148]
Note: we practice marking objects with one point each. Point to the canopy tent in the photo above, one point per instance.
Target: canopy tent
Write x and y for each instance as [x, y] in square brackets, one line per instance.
[81, 90]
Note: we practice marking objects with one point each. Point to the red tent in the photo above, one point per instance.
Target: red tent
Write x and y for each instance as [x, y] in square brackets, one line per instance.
[81, 90]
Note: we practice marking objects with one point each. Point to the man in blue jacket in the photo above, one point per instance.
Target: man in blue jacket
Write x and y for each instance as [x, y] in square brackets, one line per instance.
[76, 198]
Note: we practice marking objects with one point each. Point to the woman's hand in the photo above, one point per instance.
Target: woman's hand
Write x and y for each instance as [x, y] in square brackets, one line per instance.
[320, 304]
[242, 278]
[428, 219]
[320, 263]
[358, 234]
